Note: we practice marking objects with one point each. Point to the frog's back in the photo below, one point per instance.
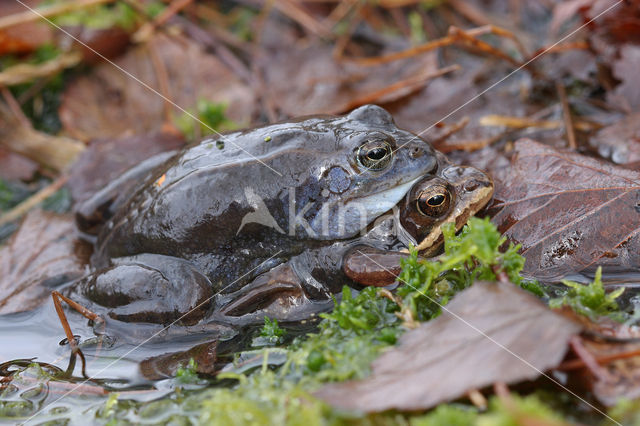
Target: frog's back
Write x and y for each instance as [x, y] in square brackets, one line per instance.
[197, 201]
[212, 202]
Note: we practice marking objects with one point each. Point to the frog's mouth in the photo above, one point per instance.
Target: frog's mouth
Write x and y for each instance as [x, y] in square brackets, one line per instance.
[355, 214]
[380, 202]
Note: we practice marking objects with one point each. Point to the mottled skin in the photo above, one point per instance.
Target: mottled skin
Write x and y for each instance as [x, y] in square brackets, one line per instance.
[192, 232]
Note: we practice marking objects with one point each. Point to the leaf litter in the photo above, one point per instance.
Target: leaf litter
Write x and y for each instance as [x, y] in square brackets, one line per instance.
[472, 334]
[569, 210]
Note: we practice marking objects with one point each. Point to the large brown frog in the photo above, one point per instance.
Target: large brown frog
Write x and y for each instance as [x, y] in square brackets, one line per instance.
[261, 226]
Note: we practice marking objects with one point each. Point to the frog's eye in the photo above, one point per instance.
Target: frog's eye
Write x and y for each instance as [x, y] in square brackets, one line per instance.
[375, 155]
[434, 201]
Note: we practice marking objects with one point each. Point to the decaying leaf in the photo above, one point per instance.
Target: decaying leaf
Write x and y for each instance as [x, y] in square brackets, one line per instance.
[321, 84]
[41, 254]
[106, 159]
[460, 351]
[14, 166]
[568, 211]
[54, 152]
[109, 103]
[622, 378]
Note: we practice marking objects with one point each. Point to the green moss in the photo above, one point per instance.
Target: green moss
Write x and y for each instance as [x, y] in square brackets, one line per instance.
[590, 300]
[263, 399]
[473, 254]
[626, 412]
[517, 411]
[447, 414]
[188, 373]
[212, 118]
[118, 14]
[272, 332]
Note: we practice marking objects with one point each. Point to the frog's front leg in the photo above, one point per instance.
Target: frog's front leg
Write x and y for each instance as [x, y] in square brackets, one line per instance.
[148, 288]
[280, 294]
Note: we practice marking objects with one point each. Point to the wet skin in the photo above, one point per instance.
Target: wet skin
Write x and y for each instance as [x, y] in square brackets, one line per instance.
[216, 235]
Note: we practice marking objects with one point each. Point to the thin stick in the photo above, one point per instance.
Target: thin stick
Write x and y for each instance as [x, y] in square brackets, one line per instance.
[14, 106]
[57, 304]
[298, 14]
[588, 359]
[24, 73]
[576, 364]
[566, 115]
[412, 83]
[22, 208]
[455, 34]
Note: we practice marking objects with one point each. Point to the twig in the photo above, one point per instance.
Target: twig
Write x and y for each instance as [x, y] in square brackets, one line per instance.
[588, 359]
[24, 73]
[47, 12]
[528, 122]
[411, 84]
[22, 208]
[163, 81]
[146, 30]
[477, 398]
[14, 106]
[576, 364]
[455, 34]
[53, 152]
[566, 115]
[299, 15]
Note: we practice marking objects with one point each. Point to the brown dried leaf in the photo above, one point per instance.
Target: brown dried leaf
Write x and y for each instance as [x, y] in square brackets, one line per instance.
[108, 103]
[445, 358]
[568, 211]
[55, 152]
[14, 166]
[320, 84]
[622, 379]
[106, 159]
[26, 36]
[41, 254]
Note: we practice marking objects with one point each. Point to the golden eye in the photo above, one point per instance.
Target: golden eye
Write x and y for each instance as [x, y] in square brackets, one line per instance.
[434, 202]
[375, 155]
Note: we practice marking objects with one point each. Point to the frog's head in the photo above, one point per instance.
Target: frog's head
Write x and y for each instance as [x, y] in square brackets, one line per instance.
[373, 166]
[453, 195]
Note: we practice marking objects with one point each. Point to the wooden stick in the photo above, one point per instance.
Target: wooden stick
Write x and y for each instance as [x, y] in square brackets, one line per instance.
[566, 115]
[22, 208]
[24, 73]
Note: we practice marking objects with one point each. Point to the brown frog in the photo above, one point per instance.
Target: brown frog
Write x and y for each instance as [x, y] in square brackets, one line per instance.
[261, 226]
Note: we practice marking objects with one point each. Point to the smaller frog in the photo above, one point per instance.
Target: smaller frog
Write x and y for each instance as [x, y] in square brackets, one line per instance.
[452, 195]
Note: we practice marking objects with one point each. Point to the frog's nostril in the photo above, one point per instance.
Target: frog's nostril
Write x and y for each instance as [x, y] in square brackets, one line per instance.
[472, 185]
[416, 152]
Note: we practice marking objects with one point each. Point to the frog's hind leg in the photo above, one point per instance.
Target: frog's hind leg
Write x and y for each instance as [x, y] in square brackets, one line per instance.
[58, 298]
[149, 288]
